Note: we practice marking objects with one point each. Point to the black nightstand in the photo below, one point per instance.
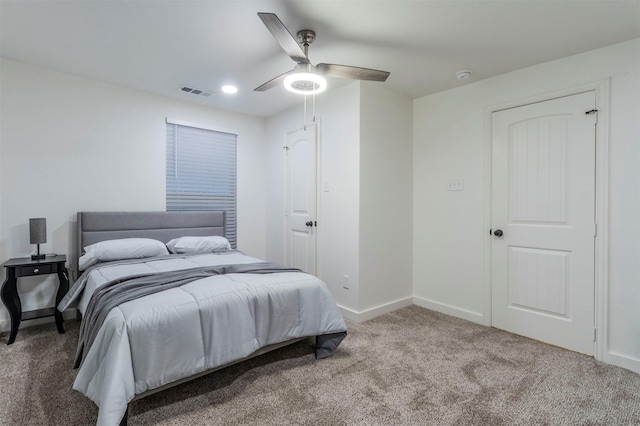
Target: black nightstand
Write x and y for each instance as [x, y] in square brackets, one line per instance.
[25, 267]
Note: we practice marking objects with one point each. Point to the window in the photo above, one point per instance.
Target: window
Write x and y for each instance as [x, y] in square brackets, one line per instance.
[201, 172]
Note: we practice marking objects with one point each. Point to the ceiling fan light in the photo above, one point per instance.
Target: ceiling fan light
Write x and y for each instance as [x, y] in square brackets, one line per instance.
[305, 83]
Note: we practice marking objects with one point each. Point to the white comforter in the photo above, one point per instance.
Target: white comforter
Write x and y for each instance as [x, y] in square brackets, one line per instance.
[157, 339]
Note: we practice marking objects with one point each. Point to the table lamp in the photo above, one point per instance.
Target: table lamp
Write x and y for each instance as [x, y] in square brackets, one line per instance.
[38, 235]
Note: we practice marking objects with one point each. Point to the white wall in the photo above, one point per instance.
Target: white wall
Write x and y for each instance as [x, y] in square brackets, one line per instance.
[449, 229]
[69, 144]
[2, 248]
[338, 248]
[364, 218]
[338, 210]
[386, 197]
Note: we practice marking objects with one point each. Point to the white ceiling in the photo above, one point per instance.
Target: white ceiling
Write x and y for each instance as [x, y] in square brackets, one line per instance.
[157, 46]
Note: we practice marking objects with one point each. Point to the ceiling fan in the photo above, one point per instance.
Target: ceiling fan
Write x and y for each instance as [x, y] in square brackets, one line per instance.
[306, 78]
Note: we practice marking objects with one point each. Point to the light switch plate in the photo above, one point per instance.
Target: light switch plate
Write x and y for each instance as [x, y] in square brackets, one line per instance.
[455, 184]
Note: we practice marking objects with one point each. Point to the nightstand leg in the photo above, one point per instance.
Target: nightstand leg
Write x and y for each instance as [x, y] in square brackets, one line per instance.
[11, 300]
[62, 291]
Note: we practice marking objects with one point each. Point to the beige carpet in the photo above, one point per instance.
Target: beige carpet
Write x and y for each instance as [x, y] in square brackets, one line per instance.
[410, 367]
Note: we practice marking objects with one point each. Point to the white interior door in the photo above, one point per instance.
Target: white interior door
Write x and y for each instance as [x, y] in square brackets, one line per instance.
[543, 201]
[300, 211]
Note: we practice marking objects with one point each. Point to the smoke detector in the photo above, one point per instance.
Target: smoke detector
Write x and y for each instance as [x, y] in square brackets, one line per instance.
[463, 74]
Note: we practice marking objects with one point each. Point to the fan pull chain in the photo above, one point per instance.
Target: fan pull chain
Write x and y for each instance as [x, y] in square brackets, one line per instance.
[304, 119]
[314, 106]
[313, 111]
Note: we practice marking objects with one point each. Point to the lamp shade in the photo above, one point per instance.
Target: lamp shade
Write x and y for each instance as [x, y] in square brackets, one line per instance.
[38, 230]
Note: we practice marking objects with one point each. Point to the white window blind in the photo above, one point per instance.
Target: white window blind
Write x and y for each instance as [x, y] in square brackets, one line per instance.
[201, 172]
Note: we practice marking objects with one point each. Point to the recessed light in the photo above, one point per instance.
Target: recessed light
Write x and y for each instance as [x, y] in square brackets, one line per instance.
[229, 89]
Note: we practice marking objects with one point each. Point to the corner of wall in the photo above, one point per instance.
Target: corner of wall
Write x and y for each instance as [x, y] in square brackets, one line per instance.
[385, 197]
[449, 127]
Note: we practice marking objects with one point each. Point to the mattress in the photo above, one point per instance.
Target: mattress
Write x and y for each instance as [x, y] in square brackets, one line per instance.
[167, 336]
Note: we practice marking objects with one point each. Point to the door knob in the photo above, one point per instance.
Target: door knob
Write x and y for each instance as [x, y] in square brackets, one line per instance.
[310, 223]
[498, 233]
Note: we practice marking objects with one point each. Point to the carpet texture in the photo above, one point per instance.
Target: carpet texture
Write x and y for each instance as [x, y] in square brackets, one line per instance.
[410, 367]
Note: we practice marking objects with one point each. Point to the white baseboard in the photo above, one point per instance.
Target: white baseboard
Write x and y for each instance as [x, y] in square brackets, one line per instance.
[376, 311]
[5, 325]
[449, 310]
[623, 361]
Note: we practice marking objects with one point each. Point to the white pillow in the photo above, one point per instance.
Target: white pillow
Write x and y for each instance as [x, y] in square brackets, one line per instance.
[126, 248]
[197, 245]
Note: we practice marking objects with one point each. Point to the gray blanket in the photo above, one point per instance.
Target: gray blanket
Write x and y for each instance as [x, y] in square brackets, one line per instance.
[163, 338]
[119, 291]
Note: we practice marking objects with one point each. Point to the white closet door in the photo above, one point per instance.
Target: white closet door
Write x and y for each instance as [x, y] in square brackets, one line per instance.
[543, 203]
[300, 239]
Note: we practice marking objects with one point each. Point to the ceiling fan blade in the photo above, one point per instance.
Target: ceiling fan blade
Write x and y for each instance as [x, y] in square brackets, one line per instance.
[279, 80]
[346, 71]
[284, 37]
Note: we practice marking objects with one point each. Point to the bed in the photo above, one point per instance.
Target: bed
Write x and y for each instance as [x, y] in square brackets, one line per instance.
[153, 319]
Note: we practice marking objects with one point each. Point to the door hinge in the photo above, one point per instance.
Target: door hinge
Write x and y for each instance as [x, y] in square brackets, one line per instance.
[594, 334]
[595, 229]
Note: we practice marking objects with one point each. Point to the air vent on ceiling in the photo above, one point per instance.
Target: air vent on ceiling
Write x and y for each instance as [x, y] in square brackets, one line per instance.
[198, 92]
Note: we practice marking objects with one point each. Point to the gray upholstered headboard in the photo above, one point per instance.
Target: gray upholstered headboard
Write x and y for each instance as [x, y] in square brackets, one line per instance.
[94, 227]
